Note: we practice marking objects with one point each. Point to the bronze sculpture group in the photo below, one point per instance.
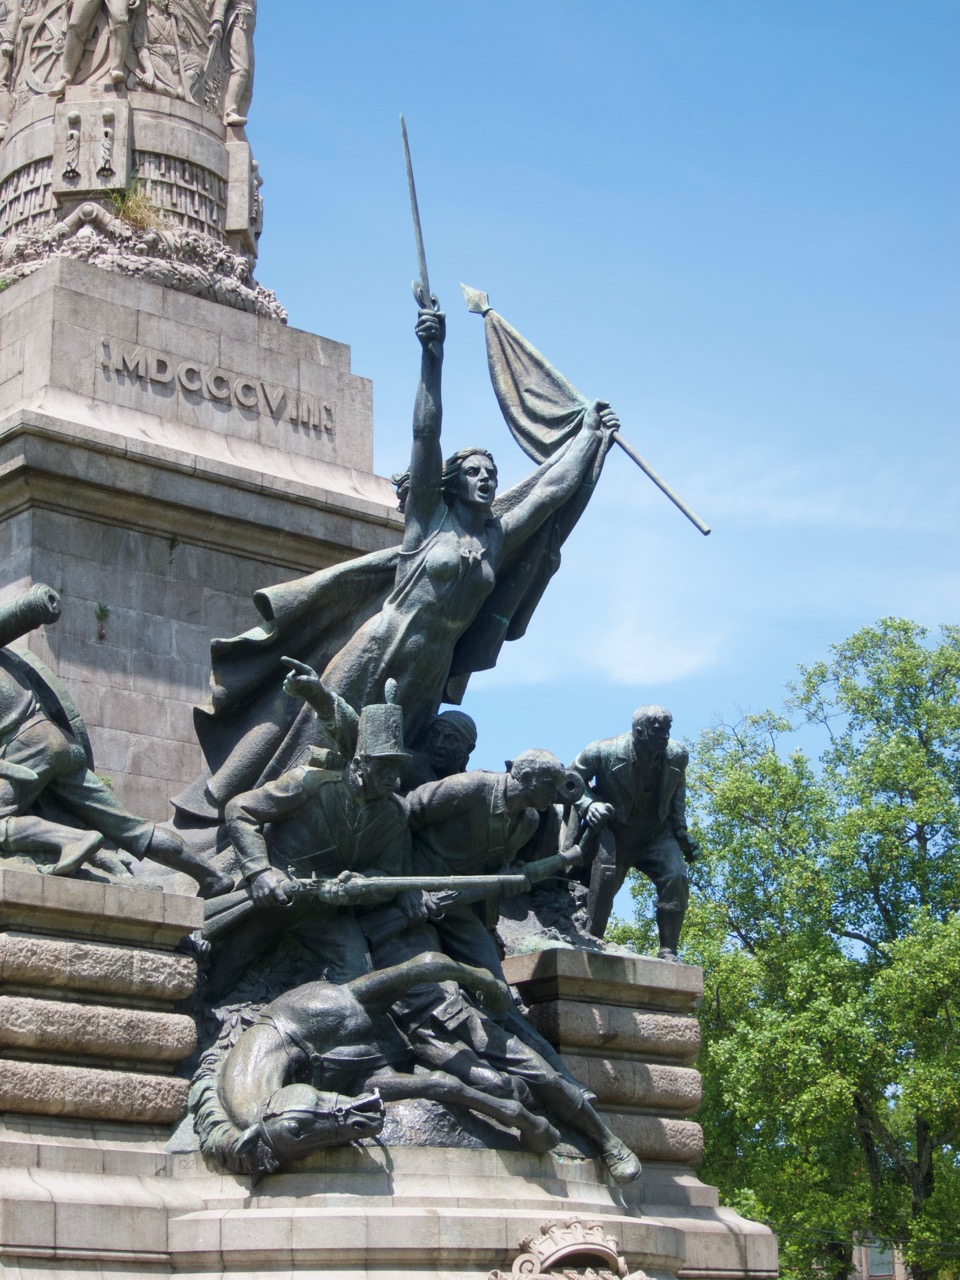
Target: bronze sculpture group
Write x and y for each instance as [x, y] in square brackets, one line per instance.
[317, 829]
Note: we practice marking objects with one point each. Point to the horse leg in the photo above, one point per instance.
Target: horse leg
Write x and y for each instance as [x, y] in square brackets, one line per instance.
[536, 1132]
[377, 991]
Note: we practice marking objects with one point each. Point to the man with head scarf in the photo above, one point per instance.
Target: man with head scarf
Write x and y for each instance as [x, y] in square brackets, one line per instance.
[445, 749]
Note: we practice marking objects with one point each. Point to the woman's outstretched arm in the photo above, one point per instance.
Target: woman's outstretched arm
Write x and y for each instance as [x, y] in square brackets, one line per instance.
[561, 479]
[426, 458]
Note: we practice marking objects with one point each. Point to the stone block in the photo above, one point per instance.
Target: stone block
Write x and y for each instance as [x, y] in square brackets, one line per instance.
[86, 968]
[99, 1216]
[67, 1029]
[259, 1236]
[76, 908]
[27, 1212]
[37, 360]
[303, 345]
[87, 1093]
[634, 981]
[96, 317]
[626, 1082]
[11, 373]
[208, 315]
[570, 1024]
[654, 1138]
[23, 314]
[724, 1244]
[106, 286]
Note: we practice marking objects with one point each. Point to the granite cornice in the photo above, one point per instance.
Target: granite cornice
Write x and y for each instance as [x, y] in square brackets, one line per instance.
[47, 462]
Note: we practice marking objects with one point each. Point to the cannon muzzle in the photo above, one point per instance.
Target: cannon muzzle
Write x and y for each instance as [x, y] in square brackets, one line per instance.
[25, 612]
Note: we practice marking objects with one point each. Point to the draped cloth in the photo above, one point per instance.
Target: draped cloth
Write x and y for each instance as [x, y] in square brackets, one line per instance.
[250, 731]
[542, 409]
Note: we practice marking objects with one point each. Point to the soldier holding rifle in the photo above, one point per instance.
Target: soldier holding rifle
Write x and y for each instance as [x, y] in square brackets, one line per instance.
[314, 820]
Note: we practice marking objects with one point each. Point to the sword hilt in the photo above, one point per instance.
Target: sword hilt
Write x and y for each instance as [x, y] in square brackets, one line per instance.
[425, 304]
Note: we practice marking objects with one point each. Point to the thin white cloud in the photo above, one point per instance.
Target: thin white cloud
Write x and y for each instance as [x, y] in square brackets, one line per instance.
[841, 494]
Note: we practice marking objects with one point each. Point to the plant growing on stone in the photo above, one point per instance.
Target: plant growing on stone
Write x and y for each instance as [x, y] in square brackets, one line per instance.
[132, 206]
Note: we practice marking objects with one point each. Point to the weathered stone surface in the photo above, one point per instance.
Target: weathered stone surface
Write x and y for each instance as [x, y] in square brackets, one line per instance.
[569, 1024]
[139, 490]
[680, 1141]
[89, 1094]
[275, 390]
[27, 960]
[627, 1082]
[96, 911]
[64, 1028]
[567, 974]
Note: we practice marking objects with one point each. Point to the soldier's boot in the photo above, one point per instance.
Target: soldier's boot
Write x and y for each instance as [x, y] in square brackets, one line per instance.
[169, 850]
[671, 908]
[118, 52]
[568, 1104]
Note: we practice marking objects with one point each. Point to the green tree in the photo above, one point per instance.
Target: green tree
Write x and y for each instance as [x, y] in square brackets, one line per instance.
[825, 917]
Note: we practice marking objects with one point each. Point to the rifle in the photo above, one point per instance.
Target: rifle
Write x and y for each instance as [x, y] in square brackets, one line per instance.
[349, 890]
[529, 872]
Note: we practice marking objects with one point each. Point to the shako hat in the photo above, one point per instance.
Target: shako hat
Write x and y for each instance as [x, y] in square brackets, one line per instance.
[381, 728]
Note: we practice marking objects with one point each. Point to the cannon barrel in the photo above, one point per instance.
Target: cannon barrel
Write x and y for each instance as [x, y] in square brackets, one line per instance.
[25, 612]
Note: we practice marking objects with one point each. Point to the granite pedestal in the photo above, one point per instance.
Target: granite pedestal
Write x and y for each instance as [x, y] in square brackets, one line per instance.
[91, 1185]
[161, 458]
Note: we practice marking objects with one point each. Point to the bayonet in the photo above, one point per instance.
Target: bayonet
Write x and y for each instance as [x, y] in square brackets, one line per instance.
[421, 288]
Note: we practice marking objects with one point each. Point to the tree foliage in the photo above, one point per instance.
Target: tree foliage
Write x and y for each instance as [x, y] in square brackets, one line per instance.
[825, 915]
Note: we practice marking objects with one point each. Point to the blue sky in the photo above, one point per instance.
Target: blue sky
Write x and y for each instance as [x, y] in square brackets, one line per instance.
[736, 220]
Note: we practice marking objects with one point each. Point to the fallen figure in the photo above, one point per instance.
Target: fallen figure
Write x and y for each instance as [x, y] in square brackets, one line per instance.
[52, 804]
[255, 1113]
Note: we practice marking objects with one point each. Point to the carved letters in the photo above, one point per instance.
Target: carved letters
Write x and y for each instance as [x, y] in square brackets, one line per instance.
[146, 368]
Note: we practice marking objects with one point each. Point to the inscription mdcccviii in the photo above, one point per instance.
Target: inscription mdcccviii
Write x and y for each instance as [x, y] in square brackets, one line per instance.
[137, 364]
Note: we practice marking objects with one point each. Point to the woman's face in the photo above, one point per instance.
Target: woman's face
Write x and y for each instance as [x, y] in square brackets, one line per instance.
[477, 482]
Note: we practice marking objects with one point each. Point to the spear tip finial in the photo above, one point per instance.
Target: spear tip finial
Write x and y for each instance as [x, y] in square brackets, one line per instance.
[477, 301]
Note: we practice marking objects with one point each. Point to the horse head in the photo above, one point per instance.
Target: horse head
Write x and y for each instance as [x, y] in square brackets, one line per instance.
[298, 1119]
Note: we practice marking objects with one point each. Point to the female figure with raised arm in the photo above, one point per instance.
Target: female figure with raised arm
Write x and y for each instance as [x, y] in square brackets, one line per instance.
[468, 575]
[455, 541]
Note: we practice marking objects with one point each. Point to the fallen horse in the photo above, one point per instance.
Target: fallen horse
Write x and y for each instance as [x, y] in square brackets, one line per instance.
[256, 1105]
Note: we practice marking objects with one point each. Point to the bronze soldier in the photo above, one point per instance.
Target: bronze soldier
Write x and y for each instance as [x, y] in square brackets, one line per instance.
[635, 803]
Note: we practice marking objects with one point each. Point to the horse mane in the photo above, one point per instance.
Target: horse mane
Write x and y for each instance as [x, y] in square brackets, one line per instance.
[221, 1139]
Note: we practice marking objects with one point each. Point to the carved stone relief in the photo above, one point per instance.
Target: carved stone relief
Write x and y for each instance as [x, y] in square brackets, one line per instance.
[572, 1250]
[91, 150]
[196, 50]
[172, 256]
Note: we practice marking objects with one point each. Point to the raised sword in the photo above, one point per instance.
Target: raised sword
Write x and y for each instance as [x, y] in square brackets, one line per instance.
[421, 288]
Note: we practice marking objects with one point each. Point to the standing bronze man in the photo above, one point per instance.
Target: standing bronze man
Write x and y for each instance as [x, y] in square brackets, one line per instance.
[635, 802]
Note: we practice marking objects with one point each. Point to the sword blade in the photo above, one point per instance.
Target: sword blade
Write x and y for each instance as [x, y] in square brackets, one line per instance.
[426, 298]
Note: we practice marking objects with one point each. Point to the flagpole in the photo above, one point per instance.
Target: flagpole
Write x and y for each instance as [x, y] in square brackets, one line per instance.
[661, 484]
